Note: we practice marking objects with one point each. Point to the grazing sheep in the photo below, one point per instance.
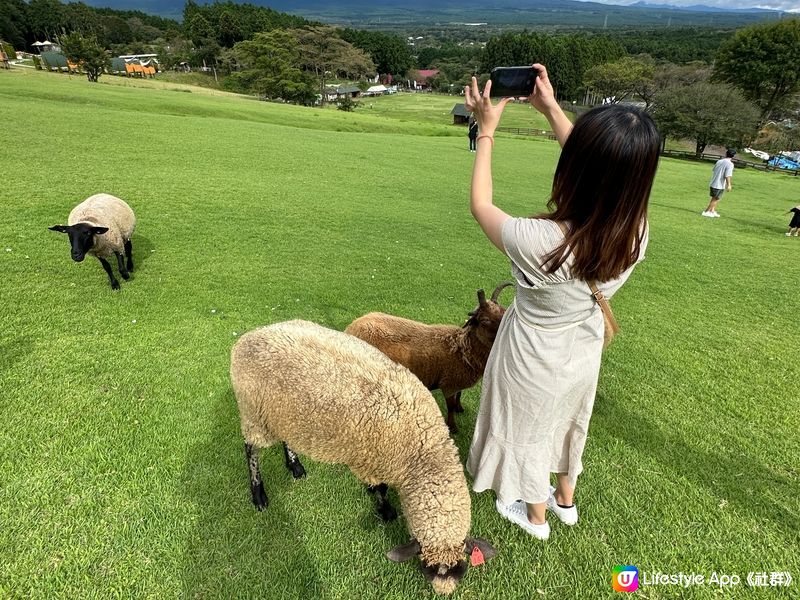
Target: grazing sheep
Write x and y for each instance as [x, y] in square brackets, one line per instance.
[444, 357]
[337, 399]
[102, 225]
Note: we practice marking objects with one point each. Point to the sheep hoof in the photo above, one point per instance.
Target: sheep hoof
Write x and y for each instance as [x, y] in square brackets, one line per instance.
[259, 496]
[386, 512]
[125, 275]
[458, 408]
[452, 427]
[298, 471]
[115, 285]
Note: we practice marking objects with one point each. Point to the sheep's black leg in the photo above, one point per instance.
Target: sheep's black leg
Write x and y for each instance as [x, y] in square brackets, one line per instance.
[451, 413]
[383, 508]
[107, 267]
[293, 463]
[458, 408]
[129, 255]
[256, 485]
[121, 264]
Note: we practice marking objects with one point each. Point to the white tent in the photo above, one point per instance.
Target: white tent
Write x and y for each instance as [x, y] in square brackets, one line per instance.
[376, 90]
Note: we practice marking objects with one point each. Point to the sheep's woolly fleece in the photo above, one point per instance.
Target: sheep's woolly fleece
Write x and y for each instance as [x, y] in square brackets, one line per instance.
[105, 210]
[440, 355]
[337, 399]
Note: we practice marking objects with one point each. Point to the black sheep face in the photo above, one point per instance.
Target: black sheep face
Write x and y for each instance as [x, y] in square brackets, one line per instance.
[443, 578]
[81, 237]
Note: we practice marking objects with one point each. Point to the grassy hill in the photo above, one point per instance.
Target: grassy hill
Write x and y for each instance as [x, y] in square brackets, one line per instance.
[121, 461]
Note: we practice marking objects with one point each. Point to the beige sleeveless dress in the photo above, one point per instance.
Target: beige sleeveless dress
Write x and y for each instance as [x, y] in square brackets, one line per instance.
[541, 377]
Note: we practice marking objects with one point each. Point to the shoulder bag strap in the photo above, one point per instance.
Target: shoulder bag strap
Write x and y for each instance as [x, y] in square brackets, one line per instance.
[602, 301]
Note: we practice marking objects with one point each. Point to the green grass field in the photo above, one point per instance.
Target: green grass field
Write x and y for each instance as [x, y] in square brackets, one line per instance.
[122, 472]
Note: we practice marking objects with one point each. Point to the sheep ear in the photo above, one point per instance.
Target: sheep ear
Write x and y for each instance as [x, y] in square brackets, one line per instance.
[59, 228]
[486, 548]
[99, 230]
[403, 552]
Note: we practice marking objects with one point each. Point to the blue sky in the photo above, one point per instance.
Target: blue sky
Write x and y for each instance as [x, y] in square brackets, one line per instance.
[787, 5]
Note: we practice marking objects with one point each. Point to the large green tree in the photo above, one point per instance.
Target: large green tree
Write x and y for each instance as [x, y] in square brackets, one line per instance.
[621, 79]
[86, 52]
[14, 27]
[707, 113]
[567, 57]
[762, 61]
[269, 65]
[390, 53]
[326, 55]
[45, 17]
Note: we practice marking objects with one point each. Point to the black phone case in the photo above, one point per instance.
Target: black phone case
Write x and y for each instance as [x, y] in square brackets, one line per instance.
[513, 81]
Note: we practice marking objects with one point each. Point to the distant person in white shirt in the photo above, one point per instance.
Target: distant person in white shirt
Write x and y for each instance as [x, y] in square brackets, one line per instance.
[720, 181]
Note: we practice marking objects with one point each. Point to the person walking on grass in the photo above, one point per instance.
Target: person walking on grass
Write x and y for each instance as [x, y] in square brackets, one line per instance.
[541, 376]
[472, 133]
[720, 181]
[794, 224]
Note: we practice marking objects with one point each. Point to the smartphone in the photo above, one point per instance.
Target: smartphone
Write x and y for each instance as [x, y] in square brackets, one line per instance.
[513, 81]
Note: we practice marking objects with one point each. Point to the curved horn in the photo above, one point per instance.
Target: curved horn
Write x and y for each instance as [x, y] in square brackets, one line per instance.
[500, 288]
[481, 297]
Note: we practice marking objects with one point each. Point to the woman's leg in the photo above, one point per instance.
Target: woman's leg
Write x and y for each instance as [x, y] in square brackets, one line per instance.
[536, 513]
[564, 491]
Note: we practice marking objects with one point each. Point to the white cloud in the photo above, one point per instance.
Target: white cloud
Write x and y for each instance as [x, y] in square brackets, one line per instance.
[786, 5]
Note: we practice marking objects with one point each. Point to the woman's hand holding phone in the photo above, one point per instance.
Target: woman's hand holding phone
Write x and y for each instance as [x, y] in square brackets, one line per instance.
[543, 97]
[487, 115]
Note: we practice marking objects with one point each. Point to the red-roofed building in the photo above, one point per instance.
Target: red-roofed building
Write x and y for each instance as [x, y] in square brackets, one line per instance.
[419, 79]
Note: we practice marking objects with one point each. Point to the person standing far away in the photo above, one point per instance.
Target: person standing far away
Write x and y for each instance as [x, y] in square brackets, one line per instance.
[794, 224]
[541, 376]
[473, 133]
[720, 181]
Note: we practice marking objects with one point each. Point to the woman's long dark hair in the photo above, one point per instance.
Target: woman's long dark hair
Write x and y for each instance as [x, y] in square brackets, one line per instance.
[600, 191]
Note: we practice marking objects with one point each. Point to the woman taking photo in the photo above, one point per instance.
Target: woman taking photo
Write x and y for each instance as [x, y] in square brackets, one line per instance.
[541, 377]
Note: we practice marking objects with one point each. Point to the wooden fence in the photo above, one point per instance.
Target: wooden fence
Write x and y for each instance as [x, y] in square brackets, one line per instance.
[524, 131]
[741, 164]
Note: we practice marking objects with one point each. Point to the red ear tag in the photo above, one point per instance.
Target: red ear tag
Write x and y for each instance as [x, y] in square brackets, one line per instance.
[476, 558]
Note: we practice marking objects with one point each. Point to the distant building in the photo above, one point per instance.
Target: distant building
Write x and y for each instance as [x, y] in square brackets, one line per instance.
[420, 79]
[460, 114]
[376, 90]
[333, 93]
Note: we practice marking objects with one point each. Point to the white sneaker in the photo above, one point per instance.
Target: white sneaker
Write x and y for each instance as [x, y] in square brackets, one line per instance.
[568, 516]
[518, 513]
[705, 213]
[714, 213]
[787, 234]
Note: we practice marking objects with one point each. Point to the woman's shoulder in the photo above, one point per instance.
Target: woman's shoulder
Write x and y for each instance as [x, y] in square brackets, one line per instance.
[529, 241]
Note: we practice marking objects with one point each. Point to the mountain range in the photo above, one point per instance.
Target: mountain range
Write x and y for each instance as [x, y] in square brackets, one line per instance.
[529, 13]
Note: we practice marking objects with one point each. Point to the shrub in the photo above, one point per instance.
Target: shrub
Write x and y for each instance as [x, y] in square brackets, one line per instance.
[347, 104]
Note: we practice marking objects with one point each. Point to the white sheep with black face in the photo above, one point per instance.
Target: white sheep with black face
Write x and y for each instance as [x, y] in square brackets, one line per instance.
[337, 399]
[102, 225]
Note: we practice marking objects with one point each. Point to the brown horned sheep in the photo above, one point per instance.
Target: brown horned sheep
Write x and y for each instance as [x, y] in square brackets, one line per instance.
[337, 399]
[444, 357]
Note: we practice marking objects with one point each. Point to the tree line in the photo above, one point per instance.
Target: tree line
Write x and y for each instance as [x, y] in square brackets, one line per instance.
[753, 85]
